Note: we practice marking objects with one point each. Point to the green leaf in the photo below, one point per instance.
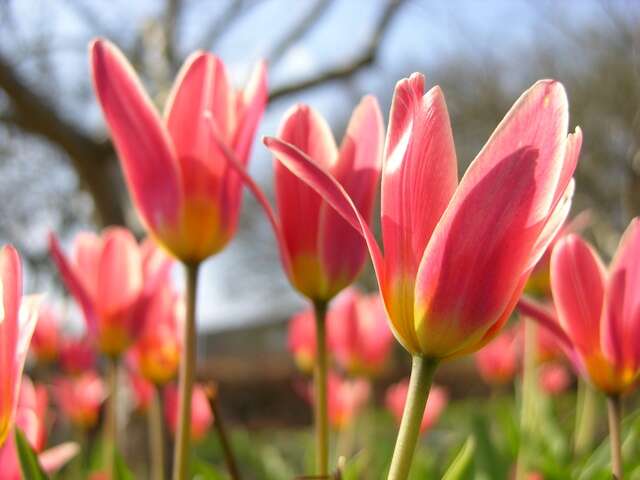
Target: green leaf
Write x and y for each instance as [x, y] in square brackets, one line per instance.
[29, 465]
[462, 465]
[120, 469]
[203, 471]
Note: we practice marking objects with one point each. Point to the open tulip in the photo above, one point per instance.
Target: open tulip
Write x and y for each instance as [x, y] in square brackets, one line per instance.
[45, 343]
[80, 398]
[499, 360]
[112, 278]
[186, 195]
[201, 414]
[31, 420]
[17, 321]
[396, 398]
[456, 255]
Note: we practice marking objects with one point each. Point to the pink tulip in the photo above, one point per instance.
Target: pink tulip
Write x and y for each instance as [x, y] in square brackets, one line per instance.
[359, 332]
[181, 185]
[396, 397]
[77, 355]
[201, 414]
[457, 256]
[498, 362]
[598, 310]
[79, 398]
[554, 378]
[143, 391]
[156, 353]
[17, 322]
[31, 420]
[345, 400]
[45, 343]
[302, 339]
[112, 279]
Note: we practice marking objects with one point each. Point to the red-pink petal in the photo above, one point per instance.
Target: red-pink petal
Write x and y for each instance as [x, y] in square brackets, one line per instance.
[144, 147]
[481, 248]
[578, 282]
[87, 248]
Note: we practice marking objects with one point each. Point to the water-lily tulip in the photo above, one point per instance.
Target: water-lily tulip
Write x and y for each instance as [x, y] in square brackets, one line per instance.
[17, 321]
[359, 332]
[31, 420]
[396, 397]
[185, 193]
[112, 278]
[46, 340]
[201, 414]
[80, 398]
[498, 361]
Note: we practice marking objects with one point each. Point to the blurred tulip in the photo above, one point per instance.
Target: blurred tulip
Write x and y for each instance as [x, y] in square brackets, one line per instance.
[79, 398]
[498, 362]
[554, 378]
[201, 415]
[18, 318]
[396, 397]
[77, 355]
[112, 278]
[539, 282]
[45, 343]
[346, 399]
[143, 391]
[156, 353]
[181, 185]
[31, 420]
[456, 257]
[302, 339]
[359, 333]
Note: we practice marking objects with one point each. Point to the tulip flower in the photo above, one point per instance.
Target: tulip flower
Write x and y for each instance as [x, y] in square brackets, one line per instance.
[554, 378]
[112, 279]
[80, 398]
[301, 339]
[201, 415]
[456, 256]
[77, 355]
[143, 391]
[31, 420]
[346, 399]
[396, 397]
[45, 343]
[359, 332]
[18, 318]
[498, 361]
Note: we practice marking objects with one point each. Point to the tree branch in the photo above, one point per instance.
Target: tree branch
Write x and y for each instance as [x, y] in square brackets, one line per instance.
[341, 72]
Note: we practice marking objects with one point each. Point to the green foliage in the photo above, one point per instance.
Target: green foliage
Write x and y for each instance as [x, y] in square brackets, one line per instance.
[29, 465]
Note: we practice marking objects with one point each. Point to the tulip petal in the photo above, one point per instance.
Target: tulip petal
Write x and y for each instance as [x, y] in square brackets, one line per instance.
[87, 247]
[73, 283]
[120, 279]
[332, 192]
[621, 320]
[342, 249]
[481, 247]
[11, 293]
[419, 173]
[144, 147]
[56, 457]
[254, 100]
[530, 308]
[578, 282]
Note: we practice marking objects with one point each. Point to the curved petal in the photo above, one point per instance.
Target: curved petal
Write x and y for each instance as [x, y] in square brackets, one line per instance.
[483, 243]
[87, 248]
[578, 284]
[11, 294]
[56, 457]
[254, 100]
[144, 147]
[343, 250]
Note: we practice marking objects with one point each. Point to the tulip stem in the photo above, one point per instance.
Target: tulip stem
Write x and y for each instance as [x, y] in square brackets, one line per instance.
[223, 435]
[422, 372]
[320, 389]
[156, 436]
[585, 416]
[187, 367]
[614, 405]
[112, 418]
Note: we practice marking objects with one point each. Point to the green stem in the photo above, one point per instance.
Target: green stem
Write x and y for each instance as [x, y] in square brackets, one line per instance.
[111, 427]
[320, 389]
[187, 367]
[614, 406]
[585, 416]
[223, 436]
[156, 436]
[422, 372]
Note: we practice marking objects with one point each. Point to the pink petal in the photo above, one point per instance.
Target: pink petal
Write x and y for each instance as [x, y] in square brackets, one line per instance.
[56, 457]
[578, 282]
[11, 293]
[120, 279]
[87, 248]
[481, 248]
[531, 309]
[343, 250]
[254, 100]
[144, 147]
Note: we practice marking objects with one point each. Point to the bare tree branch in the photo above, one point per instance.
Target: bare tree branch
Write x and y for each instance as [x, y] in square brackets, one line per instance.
[220, 25]
[341, 72]
[311, 19]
